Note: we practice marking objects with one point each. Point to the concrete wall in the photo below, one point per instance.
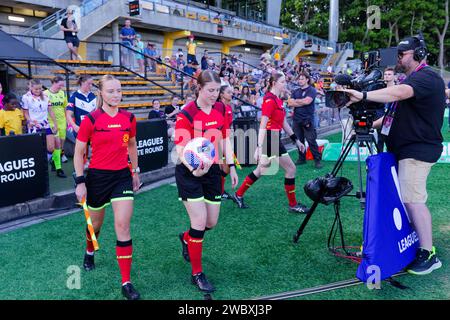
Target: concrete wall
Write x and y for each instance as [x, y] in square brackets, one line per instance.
[206, 28]
[60, 4]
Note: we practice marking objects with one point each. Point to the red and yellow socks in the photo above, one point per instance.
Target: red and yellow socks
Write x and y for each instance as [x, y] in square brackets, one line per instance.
[289, 187]
[124, 251]
[248, 181]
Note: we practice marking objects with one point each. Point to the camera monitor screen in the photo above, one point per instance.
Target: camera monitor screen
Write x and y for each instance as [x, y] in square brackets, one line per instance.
[336, 99]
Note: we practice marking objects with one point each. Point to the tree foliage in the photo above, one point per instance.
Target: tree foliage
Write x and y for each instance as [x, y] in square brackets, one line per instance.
[399, 19]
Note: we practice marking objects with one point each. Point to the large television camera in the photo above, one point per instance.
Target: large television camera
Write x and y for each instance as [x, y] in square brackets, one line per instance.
[363, 112]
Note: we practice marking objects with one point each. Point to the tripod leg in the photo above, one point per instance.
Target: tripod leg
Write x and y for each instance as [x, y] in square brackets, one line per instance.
[345, 152]
[305, 221]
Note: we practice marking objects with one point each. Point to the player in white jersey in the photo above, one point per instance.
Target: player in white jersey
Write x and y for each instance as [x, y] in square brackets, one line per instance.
[37, 108]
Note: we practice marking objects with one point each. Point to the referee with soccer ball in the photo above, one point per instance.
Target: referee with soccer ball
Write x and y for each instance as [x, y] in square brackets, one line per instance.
[198, 176]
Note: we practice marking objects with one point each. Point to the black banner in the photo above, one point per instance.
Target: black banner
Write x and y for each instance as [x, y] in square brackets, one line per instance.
[133, 7]
[23, 169]
[152, 144]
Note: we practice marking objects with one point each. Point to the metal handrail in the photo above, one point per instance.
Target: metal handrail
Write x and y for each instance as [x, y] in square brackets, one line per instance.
[243, 62]
[39, 28]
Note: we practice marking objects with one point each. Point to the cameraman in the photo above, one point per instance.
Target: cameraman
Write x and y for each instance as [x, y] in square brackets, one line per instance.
[413, 129]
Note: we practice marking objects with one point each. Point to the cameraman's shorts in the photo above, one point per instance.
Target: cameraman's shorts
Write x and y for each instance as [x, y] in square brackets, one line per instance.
[412, 176]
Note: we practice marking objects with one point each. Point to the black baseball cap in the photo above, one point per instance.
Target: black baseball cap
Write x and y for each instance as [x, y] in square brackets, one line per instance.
[409, 43]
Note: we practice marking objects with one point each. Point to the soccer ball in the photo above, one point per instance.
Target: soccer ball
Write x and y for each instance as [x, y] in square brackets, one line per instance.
[198, 151]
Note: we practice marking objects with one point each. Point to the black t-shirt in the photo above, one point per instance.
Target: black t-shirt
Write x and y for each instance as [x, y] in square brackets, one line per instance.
[416, 129]
[154, 114]
[68, 34]
[304, 113]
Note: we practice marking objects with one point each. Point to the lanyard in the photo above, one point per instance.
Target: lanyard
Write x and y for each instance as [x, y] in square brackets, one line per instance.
[393, 106]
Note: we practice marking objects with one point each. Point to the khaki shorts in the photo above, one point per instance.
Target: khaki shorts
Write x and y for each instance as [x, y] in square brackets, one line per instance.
[412, 176]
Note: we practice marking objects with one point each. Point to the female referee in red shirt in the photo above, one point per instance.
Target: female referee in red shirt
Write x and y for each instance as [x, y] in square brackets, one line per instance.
[225, 96]
[273, 120]
[112, 133]
[200, 189]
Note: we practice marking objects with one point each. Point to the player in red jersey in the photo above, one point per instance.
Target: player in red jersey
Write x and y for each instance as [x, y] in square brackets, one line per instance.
[112, 134]
[225, 96]
[200, 189]
[273, 120]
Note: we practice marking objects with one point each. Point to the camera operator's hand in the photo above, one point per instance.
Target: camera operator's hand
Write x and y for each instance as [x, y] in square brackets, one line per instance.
[355, 96]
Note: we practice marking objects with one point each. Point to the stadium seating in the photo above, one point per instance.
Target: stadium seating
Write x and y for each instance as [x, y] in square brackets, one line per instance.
[138, 93]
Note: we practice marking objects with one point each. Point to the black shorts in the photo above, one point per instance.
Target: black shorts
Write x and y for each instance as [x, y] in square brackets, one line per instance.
[272, 145]
[105, 186]
[74, 40]
[191, 58]
[206, 188]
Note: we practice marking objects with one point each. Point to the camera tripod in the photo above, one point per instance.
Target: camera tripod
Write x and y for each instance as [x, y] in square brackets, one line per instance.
[363, 138]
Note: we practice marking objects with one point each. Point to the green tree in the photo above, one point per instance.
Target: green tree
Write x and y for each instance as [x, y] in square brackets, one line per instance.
[399, 19]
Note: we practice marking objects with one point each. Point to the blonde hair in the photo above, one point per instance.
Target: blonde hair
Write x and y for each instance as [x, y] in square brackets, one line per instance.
[36, 82]
[101, 83]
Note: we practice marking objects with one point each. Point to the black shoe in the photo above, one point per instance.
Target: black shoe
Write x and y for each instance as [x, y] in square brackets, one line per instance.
[239, 201]
[299, 208]
[52, 165]
[300, 162]
[202, 283]
[130, 292]
[88, 263]
[60, 173]
[225, 196]
[424, 263]
[184, 248]
[318, 165]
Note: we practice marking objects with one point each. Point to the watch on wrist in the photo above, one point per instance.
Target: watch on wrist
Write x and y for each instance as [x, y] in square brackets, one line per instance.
[136, 170]
[364, 98]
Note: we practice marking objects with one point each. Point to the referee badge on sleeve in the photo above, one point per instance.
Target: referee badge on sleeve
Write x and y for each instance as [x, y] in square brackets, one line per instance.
[126, 138]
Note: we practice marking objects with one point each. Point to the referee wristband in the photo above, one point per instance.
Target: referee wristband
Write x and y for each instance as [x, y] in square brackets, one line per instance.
[80, 179]
[293, 137]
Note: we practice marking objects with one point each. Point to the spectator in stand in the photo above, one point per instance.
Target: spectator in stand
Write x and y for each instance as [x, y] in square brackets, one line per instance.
[191, 47]
[179, 53]
[156, 112]
[171, 114]
[127, 34]
[139, 47]
[70, 29]
[151, 52]
[245, 94]
[12, 120]
[174, 65]
[204, 61]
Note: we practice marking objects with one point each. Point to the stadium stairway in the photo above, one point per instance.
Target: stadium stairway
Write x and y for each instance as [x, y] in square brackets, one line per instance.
[138, 93]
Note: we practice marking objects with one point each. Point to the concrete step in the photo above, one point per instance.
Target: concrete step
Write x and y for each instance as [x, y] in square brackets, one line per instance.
[84, 62]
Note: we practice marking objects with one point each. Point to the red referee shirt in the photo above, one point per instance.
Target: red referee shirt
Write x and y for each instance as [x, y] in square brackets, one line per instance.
[272, 108]
[212, 126]
[109, 138]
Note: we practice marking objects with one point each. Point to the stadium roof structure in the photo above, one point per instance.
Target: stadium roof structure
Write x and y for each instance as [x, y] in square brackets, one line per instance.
[12, 49]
